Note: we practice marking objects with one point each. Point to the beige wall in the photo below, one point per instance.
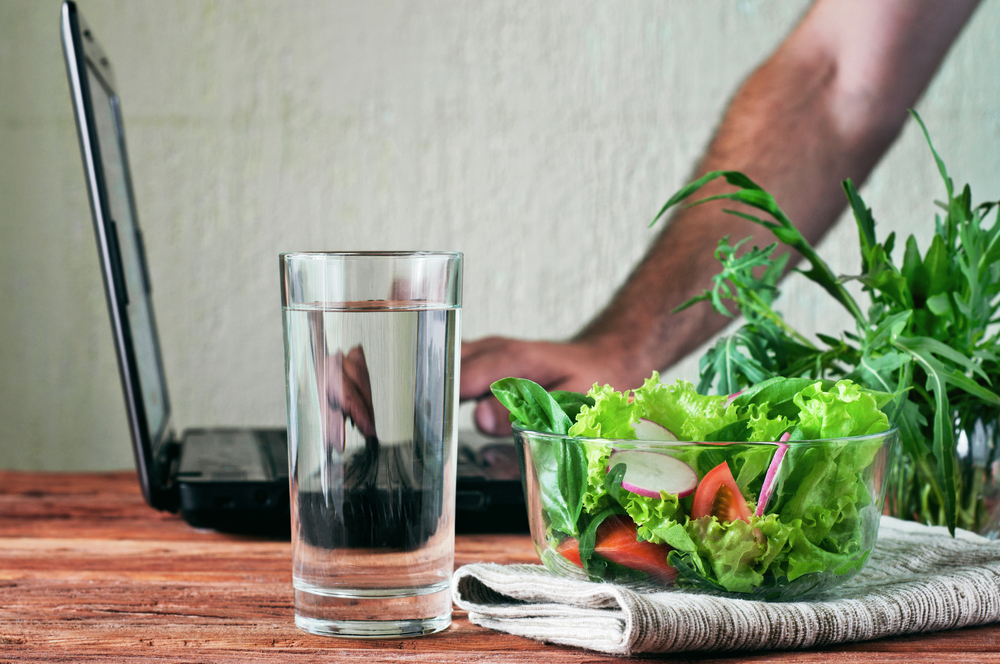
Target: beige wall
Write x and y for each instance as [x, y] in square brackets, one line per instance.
[538, 138]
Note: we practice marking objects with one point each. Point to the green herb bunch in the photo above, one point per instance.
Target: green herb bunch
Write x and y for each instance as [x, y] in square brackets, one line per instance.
[928, 335]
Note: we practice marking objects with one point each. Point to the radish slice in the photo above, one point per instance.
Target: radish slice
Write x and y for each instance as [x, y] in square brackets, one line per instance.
[650, 430]
[649, 473]
[772, 473]
[732, 397]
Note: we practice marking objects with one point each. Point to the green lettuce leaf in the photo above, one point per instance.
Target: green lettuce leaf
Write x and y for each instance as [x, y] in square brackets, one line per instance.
[659, 520]
[843, 411]
[595, 496]
[762, 427]
[611, 416]
[680, 408]
[739, 553]
[805, 557]
[824, 488]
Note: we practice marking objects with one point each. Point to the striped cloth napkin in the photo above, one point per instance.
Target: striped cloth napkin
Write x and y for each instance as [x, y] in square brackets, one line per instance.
[918, 579]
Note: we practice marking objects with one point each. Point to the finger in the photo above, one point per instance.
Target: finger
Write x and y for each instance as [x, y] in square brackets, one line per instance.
[333, 431]
[541, 362]
[357, 409]
[344, 394]
[485, 345]
[492, 418]
[333, 377]
[361, 413]
[356, 368]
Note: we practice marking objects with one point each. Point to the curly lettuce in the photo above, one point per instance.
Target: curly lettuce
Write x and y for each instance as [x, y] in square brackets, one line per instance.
[612, 415]
[680, 408]
[843, 411]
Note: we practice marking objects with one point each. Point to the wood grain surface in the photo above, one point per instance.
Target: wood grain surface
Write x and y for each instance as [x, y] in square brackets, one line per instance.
[88, 573]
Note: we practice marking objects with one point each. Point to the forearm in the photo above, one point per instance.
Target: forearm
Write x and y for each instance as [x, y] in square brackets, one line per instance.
[818, 111]
[777, 131]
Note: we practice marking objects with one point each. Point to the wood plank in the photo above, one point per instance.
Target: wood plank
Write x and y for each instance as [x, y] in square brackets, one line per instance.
[89, 573]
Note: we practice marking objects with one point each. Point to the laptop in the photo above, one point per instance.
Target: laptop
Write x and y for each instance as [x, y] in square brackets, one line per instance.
[229, 479]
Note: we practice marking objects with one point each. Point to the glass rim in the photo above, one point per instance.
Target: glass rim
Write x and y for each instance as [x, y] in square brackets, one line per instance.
[892, 430]
[285, 255]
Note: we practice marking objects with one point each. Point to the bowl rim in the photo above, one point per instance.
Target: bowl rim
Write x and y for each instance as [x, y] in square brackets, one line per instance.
[892, 430]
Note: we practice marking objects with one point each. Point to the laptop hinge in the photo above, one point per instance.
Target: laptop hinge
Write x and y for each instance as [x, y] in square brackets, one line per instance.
[168, 454]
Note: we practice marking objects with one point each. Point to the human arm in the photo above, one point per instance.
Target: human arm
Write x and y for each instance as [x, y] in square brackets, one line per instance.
[823, 107]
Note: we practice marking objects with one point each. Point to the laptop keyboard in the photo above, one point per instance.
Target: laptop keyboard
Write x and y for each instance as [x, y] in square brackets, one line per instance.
[224, 456]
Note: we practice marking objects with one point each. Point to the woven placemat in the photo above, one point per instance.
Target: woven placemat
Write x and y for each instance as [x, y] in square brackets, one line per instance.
[918, 579]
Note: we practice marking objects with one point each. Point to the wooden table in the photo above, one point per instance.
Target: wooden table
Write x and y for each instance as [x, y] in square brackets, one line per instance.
[89, 572]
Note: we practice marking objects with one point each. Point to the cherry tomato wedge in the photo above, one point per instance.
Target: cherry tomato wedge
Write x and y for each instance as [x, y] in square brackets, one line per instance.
[717, 495]
[569, 549]
[616, 541]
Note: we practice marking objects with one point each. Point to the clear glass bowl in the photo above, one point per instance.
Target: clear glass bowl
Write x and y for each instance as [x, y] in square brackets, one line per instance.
[815, 531]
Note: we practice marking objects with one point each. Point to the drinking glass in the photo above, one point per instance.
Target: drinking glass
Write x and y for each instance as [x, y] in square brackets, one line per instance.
[371, 364]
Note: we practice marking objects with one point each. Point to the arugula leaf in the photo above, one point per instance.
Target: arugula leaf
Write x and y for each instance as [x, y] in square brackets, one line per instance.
[944, 433]
[751, 194]
[730, 365]
[940, 164]
[691, 571]
[924, 351]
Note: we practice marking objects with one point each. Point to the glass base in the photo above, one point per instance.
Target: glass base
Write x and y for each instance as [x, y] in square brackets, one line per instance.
[373, 613]
[373, 629]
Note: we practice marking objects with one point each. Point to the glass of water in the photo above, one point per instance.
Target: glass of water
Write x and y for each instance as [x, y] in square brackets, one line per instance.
[371, 363]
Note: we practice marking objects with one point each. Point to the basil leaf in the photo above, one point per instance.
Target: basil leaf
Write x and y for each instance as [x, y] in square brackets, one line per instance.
[571, 402]
[561, 465]
[561, 469]
[531, 406]
[588, 539]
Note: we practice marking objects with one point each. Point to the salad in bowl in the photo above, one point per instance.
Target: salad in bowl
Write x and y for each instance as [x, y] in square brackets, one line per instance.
[773, 493]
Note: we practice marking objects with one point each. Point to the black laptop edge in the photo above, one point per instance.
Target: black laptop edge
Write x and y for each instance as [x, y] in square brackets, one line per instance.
[80, 48]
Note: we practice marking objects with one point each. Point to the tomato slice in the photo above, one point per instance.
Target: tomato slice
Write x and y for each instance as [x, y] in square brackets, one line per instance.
[616, 541]
[717, 495]
[569, 549]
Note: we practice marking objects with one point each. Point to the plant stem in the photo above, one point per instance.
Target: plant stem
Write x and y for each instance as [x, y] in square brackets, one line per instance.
[765, 310]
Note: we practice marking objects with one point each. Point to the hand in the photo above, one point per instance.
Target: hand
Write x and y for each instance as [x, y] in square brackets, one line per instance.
[348, 395]
[573, 366]
[346, 384]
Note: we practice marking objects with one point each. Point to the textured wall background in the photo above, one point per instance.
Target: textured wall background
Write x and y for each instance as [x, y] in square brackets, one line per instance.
[536, 137]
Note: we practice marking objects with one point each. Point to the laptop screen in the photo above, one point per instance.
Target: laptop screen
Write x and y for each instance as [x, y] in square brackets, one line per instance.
[121, 208]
